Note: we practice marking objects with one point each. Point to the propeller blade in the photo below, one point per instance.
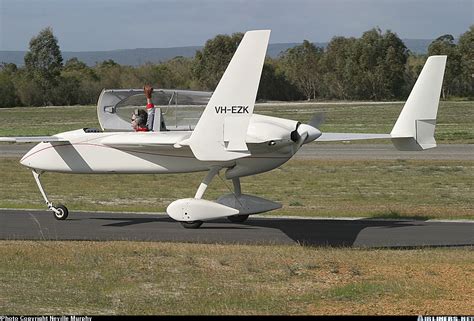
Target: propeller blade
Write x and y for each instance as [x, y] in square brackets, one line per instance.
[317, 120]
[308, 133]
[304, 134]
[302, 139]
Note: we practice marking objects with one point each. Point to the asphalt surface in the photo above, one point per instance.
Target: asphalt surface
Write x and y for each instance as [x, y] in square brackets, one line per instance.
[352, 151]
[371, 233]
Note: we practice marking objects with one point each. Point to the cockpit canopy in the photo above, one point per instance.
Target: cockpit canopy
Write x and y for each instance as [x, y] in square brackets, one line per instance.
[175, 109]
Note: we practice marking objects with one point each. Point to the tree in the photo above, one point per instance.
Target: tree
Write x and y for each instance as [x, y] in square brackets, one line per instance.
[8, 97]
[175, 73]
[211, 62]
[43, 63]
[181, 68]
[336, 78]
[28, 89]
[79, 85]
[444, 45]
[8, 68]
[274, 85]
[466, 51]
[381, 60]
[301, 64]
[110, 74]
[74, 64]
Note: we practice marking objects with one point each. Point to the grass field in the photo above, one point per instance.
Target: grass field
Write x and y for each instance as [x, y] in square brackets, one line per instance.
[168, 278]
[454, 124]
[211, 279]
[415, 189]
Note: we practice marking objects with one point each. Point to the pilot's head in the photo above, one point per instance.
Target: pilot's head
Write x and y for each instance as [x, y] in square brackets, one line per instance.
[139, 118]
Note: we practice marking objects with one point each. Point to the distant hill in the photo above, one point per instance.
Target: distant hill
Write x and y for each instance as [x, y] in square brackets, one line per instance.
[139, 56]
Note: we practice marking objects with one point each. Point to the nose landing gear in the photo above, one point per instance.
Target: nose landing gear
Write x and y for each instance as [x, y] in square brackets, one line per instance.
[60, 211]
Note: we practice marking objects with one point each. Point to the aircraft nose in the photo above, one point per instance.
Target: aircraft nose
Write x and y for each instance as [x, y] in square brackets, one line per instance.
[26, 159]
[30, 159]
[312, 132]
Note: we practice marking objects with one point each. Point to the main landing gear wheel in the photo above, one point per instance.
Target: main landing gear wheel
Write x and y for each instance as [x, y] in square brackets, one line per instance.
[192, 224]
[237, 218]
[61, 213]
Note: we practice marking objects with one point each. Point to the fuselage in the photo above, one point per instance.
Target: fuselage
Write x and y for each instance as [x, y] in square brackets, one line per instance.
[81, 151]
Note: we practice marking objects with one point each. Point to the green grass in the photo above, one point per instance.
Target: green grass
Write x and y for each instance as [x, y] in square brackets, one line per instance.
[168, 278]
[312, 188]
[360, 291]
[31, 121]
[454, 124]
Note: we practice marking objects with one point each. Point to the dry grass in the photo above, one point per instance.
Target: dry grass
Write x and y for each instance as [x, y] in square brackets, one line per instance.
[165, 278]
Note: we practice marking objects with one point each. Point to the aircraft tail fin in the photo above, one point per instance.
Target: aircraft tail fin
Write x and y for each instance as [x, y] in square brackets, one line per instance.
[414, 129]
[221, 131]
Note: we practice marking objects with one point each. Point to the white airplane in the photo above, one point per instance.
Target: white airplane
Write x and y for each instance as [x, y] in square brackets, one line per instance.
[228, 136]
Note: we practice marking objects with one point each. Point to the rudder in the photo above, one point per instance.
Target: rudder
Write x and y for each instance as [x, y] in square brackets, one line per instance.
[414, 129]
[221, 131]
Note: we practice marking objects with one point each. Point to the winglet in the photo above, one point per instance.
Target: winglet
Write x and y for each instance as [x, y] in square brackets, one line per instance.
[221, 131]
[414, 129]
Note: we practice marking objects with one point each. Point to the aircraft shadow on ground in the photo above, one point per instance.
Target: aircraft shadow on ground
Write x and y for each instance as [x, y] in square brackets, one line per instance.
[372, 233]
[334, 233]
[128, 221]
[308, 232]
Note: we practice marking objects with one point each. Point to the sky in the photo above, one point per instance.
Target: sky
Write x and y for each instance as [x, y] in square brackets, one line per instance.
[95, 25]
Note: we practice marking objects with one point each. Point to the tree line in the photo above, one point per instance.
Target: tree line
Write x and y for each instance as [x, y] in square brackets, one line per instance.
[376, 66]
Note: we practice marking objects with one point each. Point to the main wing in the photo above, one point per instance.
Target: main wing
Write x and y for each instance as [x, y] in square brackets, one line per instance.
[153, 140]
[336, 137]
[32, 139]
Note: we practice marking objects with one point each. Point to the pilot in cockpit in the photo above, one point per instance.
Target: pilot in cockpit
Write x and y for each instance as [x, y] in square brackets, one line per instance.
[142, 121]
[150, 107]
[139, 120]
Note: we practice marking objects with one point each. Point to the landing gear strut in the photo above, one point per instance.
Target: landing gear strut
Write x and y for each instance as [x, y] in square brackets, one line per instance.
[237, 193]
[60, 211]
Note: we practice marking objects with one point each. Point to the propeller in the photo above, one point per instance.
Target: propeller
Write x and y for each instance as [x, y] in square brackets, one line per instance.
[305, 133]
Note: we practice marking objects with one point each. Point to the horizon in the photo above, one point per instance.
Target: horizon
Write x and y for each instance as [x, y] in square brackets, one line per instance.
[193, 46]
[139, 56]
[106, 25]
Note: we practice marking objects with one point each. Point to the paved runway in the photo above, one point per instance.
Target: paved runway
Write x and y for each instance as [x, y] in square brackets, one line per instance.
[41, 225]
[351, 151]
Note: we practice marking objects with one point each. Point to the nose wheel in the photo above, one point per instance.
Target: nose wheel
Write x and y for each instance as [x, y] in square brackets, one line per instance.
[60, 211]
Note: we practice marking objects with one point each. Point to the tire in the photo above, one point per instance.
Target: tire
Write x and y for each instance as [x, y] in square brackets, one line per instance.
[192, 225]
[237, 218]
[63, 212]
